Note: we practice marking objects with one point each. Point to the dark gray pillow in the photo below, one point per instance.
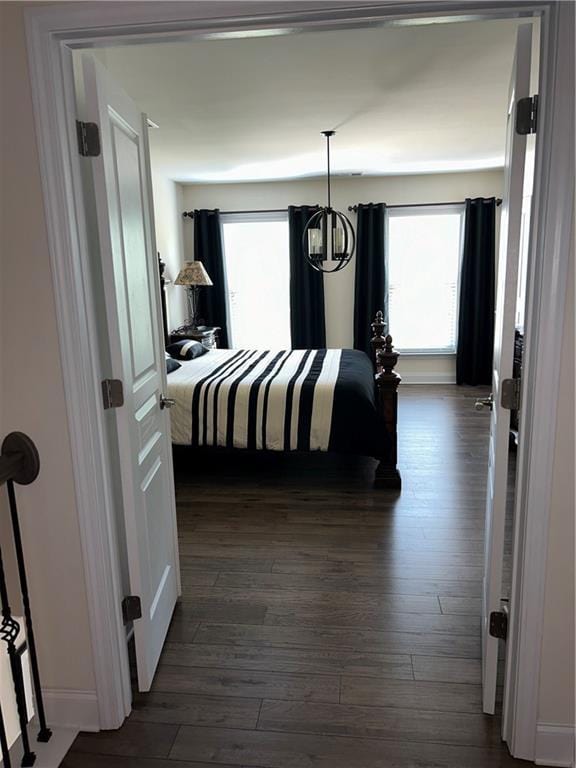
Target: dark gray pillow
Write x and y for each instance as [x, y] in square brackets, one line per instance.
[186, 349]
[172, 365]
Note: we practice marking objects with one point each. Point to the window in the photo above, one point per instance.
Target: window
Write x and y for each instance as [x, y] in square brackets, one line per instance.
[424, 252]
[257, 265]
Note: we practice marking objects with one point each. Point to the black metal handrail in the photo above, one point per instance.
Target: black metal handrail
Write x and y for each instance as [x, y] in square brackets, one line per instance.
[19, 463]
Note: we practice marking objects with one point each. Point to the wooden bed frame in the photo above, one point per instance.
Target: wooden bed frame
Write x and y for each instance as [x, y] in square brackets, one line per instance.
[386, 382]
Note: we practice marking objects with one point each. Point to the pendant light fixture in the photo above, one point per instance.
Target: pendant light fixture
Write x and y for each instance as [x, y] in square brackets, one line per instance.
[328, 240]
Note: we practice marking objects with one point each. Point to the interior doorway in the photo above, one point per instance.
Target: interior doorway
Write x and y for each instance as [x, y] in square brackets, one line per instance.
[99, 88]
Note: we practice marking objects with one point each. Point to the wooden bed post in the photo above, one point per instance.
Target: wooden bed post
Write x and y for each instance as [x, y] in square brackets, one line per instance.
[387, 381]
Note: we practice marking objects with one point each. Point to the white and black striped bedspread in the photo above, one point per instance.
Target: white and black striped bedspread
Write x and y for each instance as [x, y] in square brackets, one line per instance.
[298, 400]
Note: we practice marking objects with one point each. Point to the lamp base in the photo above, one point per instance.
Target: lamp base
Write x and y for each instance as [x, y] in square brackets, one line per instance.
[193, 292]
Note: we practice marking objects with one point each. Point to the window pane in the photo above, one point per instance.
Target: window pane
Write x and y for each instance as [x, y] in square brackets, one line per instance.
[258, 277]
[423, 273]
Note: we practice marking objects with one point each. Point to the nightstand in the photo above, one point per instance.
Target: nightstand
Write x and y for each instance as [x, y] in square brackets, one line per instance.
[205, 334]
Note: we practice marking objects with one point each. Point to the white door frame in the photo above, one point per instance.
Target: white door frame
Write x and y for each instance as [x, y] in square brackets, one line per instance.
[551, 241]
[52, 32]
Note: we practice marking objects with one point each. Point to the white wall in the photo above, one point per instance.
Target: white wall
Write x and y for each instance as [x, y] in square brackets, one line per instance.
[339, 288]
[31, 386]
[168, 207]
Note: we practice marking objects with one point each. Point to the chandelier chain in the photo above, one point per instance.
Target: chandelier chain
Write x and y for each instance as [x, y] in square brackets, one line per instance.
[328, 169]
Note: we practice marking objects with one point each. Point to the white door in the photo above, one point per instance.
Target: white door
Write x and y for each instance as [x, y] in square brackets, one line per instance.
[123, 202]
[508, 259]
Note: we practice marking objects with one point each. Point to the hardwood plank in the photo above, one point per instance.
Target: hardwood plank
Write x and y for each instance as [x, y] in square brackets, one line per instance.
[193, 578]
[182, 630]
[346, 507]
[369, 513]
[447, 670]
[271, 524]
[455, 532]
[352, 639]
[262, 551]
[379, 569]
[405, 558]
[201, 563]
[293, 660]
[460, 604]
[187, 709]
[372, 524]
[411, 694]
[288, 750]
[273, 539]
[335, 582]
[85, 760]
[246, 683]
[235, 612]
[133, 739]
[376, 603]
[380, 723]
[336, 511]
[358, 617]
[399, 542]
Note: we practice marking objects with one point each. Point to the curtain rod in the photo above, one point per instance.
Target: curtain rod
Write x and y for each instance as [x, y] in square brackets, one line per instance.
[423, 205]
[190, 214]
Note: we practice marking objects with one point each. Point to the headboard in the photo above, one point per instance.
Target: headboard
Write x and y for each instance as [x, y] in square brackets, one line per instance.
[161, 268]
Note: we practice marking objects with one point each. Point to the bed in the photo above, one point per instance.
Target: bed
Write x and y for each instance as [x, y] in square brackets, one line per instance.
[329, 400]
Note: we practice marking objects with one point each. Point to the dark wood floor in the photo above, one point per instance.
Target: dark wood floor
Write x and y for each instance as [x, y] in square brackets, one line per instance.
[324, 624]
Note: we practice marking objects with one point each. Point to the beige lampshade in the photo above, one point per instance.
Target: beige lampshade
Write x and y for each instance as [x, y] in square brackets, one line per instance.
[193, 273]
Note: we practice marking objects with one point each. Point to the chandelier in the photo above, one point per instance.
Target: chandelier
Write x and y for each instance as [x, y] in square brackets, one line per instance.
[328, 240]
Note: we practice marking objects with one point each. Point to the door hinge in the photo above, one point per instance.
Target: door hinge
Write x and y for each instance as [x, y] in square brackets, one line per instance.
[88, 139]
[499, 624]
[527, 115]
[510, 394]
[112, 393]
[131, 608]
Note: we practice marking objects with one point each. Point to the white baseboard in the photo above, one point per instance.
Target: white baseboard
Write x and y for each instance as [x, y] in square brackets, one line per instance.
[72, 709]
[427, 378]
[554, 745]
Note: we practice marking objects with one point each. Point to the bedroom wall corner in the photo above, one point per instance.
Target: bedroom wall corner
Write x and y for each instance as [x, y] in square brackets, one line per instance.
[32, 387]
[168, 208]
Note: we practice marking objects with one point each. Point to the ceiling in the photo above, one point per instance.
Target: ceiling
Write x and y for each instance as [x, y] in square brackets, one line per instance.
[414, 99]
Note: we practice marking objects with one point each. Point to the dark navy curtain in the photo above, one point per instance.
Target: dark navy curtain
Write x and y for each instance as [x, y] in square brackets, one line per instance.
[307, 319]
[370, 280]
[208, 249]
[477, 289]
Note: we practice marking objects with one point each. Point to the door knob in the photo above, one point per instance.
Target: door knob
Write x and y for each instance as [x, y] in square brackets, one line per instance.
[484, 402]
[166, 402]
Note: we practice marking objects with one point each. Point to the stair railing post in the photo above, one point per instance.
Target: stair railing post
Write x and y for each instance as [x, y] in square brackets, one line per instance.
[9, 631]
[19, 463]
[4, 743]
[44, 733]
